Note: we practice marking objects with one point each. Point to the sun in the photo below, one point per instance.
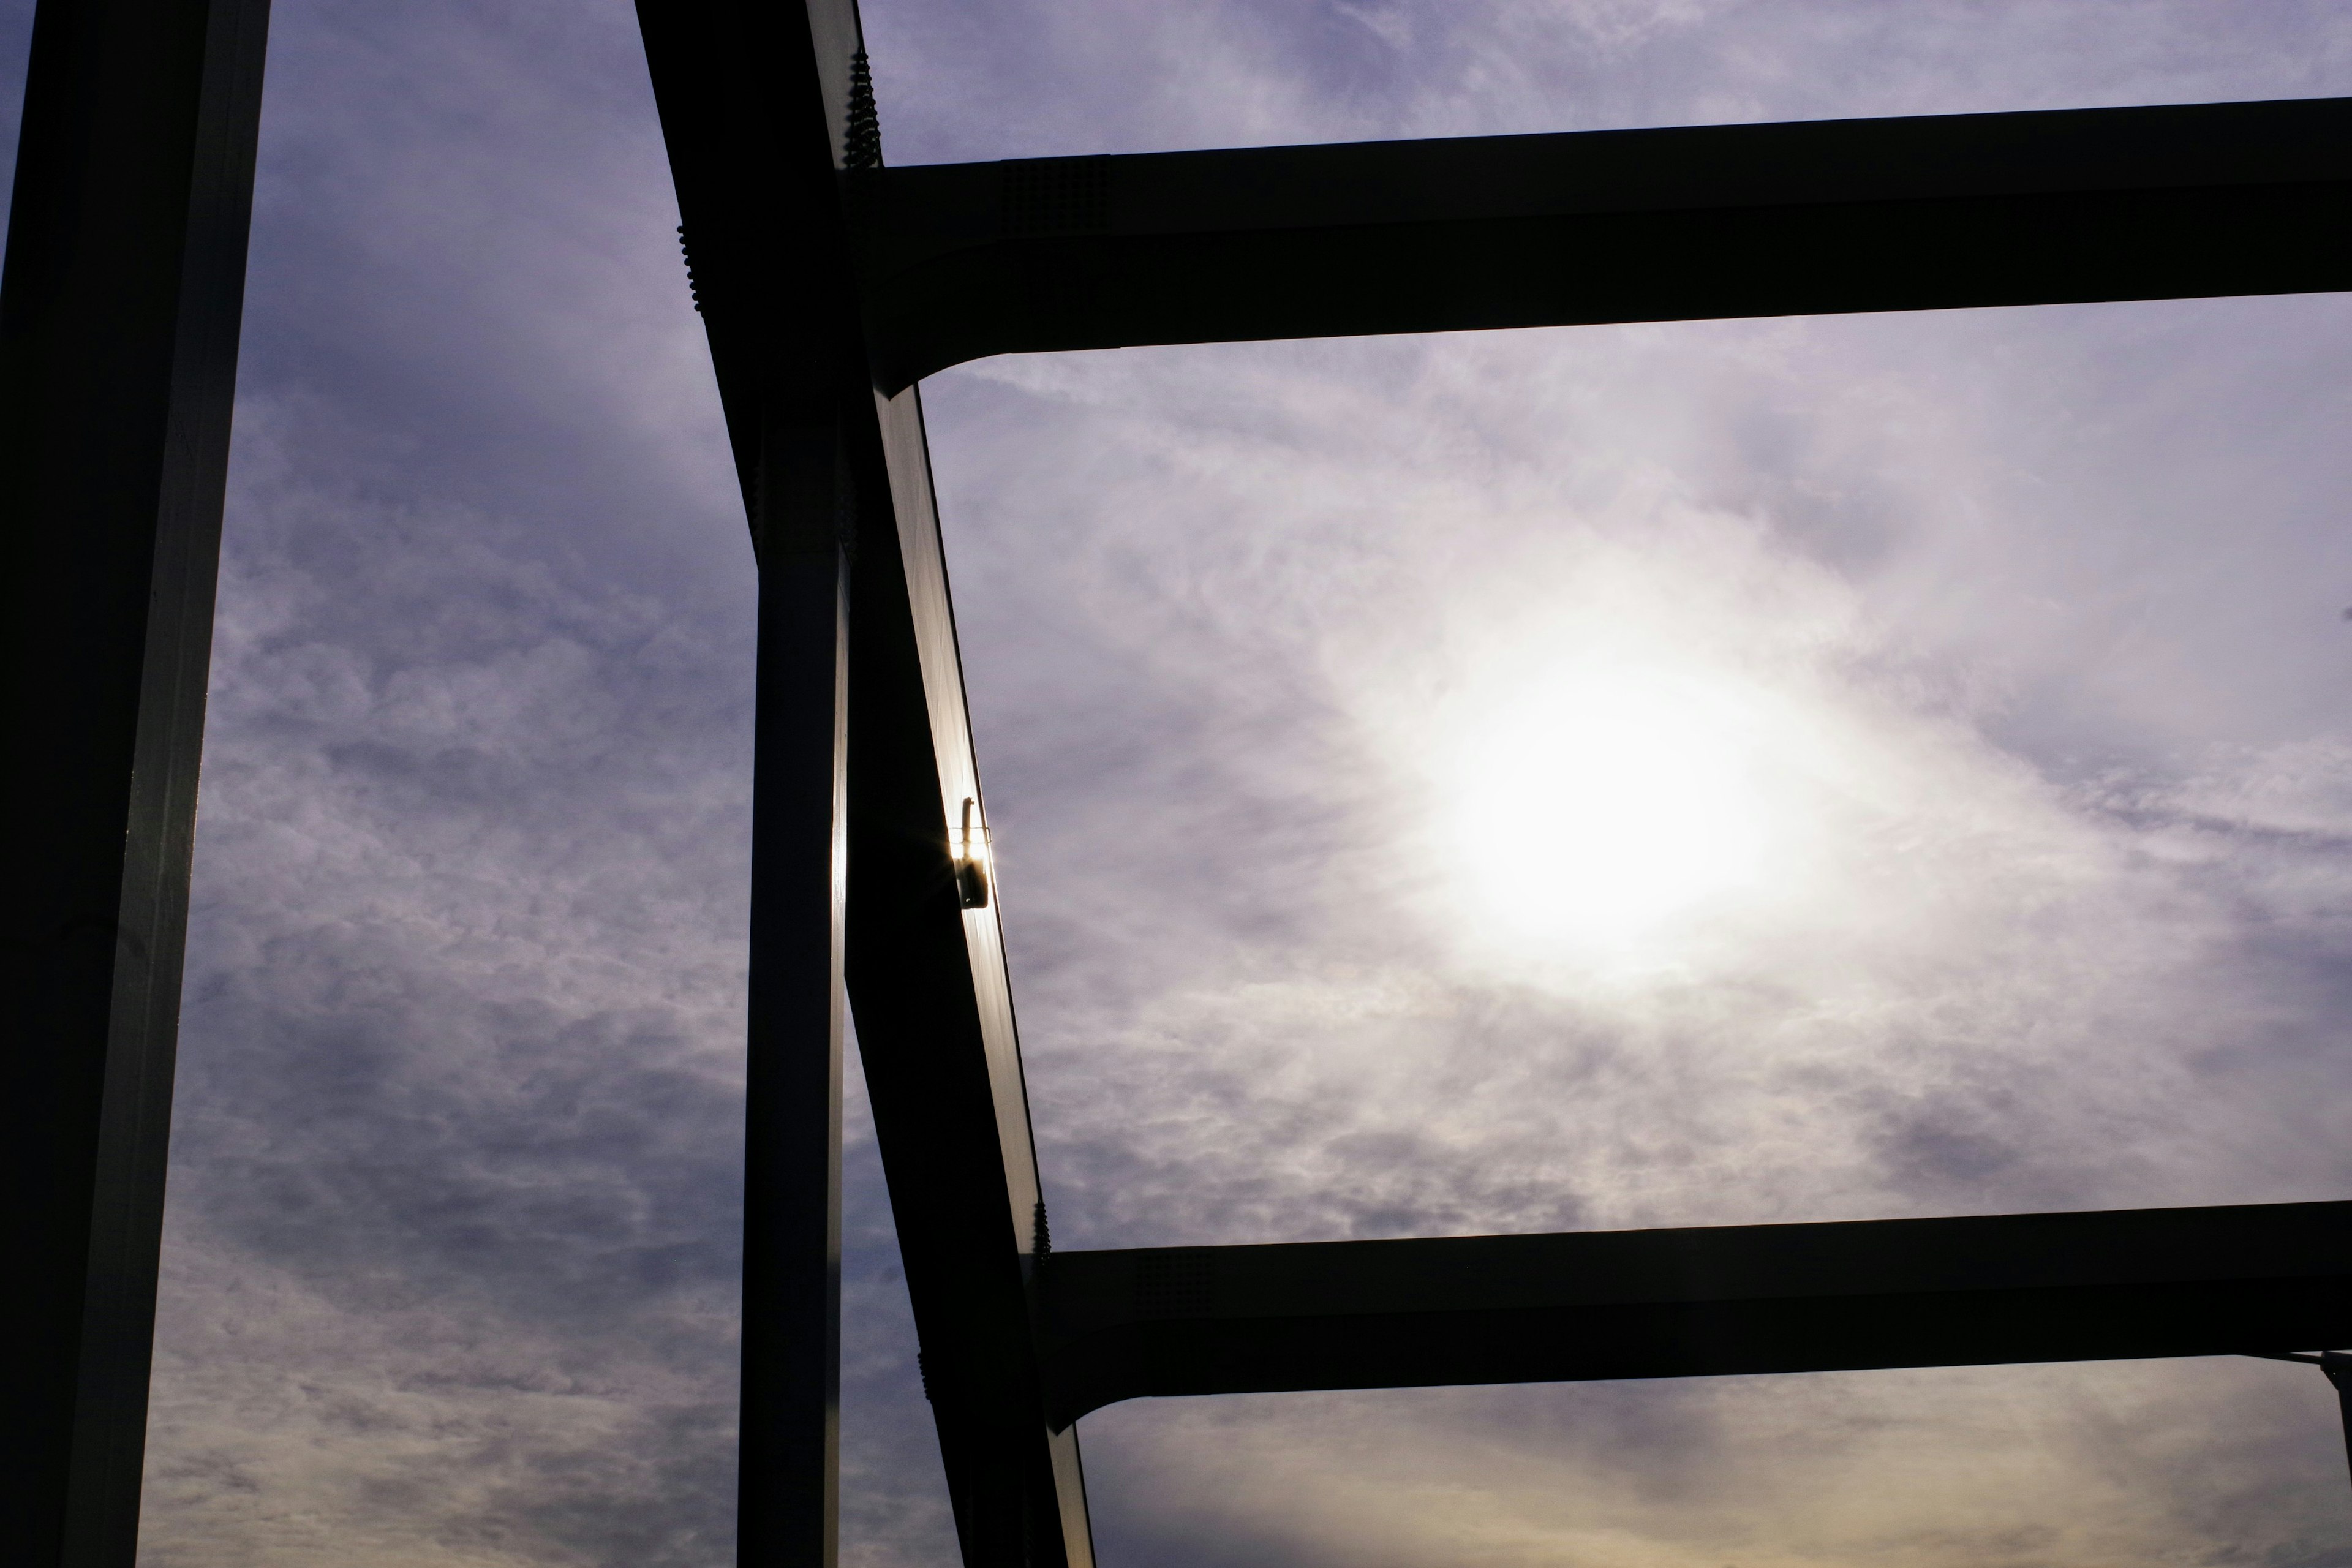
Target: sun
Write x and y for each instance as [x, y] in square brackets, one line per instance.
[1598, 807]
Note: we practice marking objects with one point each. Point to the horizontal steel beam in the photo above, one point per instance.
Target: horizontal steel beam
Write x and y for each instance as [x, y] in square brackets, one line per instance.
[1696, 1302]
[969, 259]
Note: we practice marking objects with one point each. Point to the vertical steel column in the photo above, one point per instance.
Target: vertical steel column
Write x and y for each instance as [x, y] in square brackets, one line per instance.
[753, 124]
[788, 1503]
[119, 318]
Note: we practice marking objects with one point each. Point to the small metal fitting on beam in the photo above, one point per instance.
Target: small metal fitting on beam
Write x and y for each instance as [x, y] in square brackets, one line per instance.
[971, 851]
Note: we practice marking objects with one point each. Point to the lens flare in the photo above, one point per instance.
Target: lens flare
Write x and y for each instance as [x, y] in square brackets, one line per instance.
[1600, 807]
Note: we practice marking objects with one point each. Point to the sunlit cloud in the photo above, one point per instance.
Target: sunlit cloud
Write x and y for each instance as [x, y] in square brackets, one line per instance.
[1862, 943]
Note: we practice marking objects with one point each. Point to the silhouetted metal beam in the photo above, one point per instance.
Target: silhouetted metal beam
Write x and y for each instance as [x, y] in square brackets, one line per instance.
[1696, 1302]
[969, 259]
[935, 1029]
[828, 289]
[119, 318]
[852, 838]
[743, 114]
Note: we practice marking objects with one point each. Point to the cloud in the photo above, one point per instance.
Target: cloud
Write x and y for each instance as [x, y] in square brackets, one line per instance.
[455, 1177]
[2123, 1462]
[2018, 632]
[1996, 961]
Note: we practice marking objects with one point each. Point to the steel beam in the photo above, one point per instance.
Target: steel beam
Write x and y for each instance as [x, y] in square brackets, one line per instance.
[1821, 217]
[864, 769]
[935, 1028]
[830, 284]
[1694, 1302]
[119, 320]
[743, 113]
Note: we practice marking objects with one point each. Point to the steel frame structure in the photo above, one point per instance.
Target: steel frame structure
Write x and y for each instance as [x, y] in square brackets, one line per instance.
[830, 284]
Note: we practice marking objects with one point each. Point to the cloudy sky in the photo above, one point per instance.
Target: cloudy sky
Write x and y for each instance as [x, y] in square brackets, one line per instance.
[1599, 777]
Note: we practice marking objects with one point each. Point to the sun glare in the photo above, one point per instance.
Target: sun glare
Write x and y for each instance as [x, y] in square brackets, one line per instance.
[1601, 805]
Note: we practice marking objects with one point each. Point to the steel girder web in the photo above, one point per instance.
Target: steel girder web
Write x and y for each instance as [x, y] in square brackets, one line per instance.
[864, 776]
[1817, 217]
[1712, 1301]
[118, 325]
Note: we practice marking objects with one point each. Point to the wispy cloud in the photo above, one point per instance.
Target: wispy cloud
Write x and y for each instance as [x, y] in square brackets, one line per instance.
[2008, 645]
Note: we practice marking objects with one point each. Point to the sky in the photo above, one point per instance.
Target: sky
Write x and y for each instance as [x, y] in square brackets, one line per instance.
[1786, 770]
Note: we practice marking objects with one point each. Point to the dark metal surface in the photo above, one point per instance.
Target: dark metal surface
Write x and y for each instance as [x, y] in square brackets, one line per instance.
[755, 106]
[119, 319]
[2061, 207]
[1697, 1302]
[2338, 1365]
[936, 1030]
[792, 1177]
[743, 112]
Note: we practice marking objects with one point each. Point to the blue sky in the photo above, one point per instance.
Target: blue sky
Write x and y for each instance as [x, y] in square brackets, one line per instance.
[1965, 696]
